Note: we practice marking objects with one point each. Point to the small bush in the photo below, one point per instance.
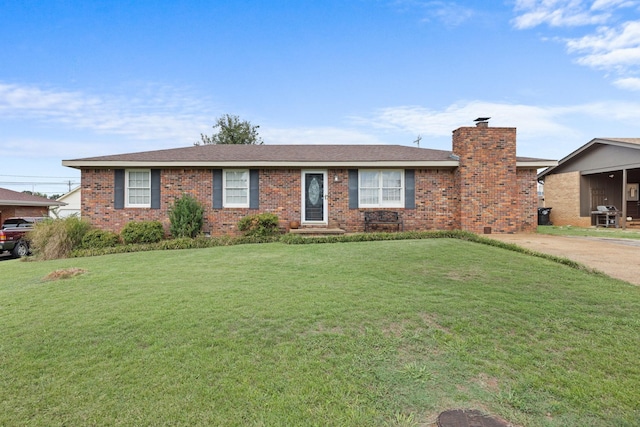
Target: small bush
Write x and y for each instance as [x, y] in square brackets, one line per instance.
[99, 239]
[259, 225]
[186, 217]
[142, 232]
[58, 237]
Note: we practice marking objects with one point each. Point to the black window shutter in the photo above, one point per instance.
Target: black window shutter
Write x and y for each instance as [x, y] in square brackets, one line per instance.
[254, 189]
[155, 188]
[353, 188]
[217, 188]
[410, 189]
[118, 189]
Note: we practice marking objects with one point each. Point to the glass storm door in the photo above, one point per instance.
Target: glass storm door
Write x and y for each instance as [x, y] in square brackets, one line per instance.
[314, 200]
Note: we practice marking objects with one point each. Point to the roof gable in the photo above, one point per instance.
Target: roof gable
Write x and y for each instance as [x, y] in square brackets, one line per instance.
[599, 154]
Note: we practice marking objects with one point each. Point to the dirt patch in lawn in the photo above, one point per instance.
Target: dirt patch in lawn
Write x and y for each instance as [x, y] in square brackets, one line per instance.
[615, 257]
[64, 273]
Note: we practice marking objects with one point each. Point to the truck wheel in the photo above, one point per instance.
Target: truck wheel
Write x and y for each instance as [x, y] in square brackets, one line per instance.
[20, 249]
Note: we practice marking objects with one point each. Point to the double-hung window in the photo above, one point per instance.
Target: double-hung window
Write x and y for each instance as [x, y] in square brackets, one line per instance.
[138, 188]
[236, 188]
[381, 188]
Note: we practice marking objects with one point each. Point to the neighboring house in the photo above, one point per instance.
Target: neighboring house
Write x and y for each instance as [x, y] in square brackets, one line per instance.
[480, 186]
[603, 172]
[72, 206]
[13, 204]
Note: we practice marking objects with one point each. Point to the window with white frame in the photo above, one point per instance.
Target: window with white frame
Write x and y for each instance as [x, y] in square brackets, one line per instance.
[236, 188]
[138, 188]
[381, 188]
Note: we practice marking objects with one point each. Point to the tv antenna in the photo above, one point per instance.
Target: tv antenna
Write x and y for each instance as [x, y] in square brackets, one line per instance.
[417, 141]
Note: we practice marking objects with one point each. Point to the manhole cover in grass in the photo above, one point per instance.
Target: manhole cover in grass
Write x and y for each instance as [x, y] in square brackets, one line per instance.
[469, 418]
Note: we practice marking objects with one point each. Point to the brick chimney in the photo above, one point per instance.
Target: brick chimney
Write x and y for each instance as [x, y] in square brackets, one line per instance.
[487, 178]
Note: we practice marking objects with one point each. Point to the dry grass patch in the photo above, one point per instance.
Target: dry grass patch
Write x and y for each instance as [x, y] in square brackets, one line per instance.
[64, 273]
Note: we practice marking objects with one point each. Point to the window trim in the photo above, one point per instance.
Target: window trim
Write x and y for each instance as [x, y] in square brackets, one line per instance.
[381, 204]
[127, 188]
[226, 204]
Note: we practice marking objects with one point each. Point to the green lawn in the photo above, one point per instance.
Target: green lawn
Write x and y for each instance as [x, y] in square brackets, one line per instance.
[612, 233]
[349, 334]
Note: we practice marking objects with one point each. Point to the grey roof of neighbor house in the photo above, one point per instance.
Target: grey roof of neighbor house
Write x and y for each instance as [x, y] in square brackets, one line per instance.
[630, 143]
[14, 198]
[286, 156]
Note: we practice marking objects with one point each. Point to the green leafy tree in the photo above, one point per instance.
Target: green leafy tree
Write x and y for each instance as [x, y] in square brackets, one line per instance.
[186, 217]
[232, 130]
[39, 194]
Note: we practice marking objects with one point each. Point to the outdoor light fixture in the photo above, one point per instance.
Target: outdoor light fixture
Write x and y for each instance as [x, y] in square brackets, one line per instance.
[611, 176]
[336, 178]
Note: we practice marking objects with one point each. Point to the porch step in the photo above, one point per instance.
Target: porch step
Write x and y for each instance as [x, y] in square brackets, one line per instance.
[316, 231]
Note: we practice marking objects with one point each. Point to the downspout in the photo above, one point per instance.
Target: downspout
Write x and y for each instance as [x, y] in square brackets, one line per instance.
[623, 220]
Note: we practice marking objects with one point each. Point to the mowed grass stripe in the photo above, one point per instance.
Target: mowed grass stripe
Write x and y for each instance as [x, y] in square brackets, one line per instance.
[370, 333]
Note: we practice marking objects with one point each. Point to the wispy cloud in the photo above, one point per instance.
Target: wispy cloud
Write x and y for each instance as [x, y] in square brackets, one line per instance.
[611, 42]
[160, 113]
[534, 123]
[616, 49]
[629, 83]
[560, 13]
[320, 135]
[449, 13]
[530, 120]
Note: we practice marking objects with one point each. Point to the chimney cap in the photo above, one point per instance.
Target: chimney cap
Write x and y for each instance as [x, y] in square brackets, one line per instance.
[482, 119]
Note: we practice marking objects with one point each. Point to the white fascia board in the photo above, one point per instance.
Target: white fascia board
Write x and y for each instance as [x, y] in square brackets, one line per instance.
[537, 164]
[22, 203]
[260, 164]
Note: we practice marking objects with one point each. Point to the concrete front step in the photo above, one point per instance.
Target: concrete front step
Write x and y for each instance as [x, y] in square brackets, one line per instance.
[316, 231]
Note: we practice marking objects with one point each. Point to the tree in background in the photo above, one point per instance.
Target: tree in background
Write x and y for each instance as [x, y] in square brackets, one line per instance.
[37, 193]
[231, 130]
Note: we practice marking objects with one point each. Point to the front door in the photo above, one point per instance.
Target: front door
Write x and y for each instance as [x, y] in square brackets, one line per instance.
[314, 202]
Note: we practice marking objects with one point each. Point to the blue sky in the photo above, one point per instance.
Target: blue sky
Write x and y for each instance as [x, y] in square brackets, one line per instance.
[86, 78]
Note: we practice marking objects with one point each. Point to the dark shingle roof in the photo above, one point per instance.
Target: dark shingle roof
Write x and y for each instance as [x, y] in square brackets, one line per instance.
[288, 153]
[14, 198]
[279, 155]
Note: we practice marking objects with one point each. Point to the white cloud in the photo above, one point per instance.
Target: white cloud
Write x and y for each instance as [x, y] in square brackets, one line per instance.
[450, 13]
[149, 114]
[610, 48]
[529, 119]
[322, 136]
[628, 83]
[542, 130]
[561, 13]
[612, 45]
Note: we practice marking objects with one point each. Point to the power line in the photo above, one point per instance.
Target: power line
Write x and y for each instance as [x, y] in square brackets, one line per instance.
[35, 183]
[69, 184]
[45, 177]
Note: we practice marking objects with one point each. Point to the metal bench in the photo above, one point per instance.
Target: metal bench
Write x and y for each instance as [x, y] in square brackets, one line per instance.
[373, 219]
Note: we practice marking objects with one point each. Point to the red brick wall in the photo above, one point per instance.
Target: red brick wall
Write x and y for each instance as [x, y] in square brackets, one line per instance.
[487, 178]
[280, 193]
[485, 192]
[14, 211]
[527, 198]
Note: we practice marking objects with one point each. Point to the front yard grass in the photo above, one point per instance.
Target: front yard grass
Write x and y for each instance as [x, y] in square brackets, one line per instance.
[383, 333]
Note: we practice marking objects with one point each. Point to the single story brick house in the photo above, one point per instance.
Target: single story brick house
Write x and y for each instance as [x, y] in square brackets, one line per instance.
[603, 172]
[479, 186]
[13, 204]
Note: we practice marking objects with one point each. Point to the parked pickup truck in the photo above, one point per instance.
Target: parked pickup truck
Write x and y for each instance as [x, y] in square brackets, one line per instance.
[13, 235]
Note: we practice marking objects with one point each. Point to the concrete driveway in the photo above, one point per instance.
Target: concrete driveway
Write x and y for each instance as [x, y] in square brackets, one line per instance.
[617, 258]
